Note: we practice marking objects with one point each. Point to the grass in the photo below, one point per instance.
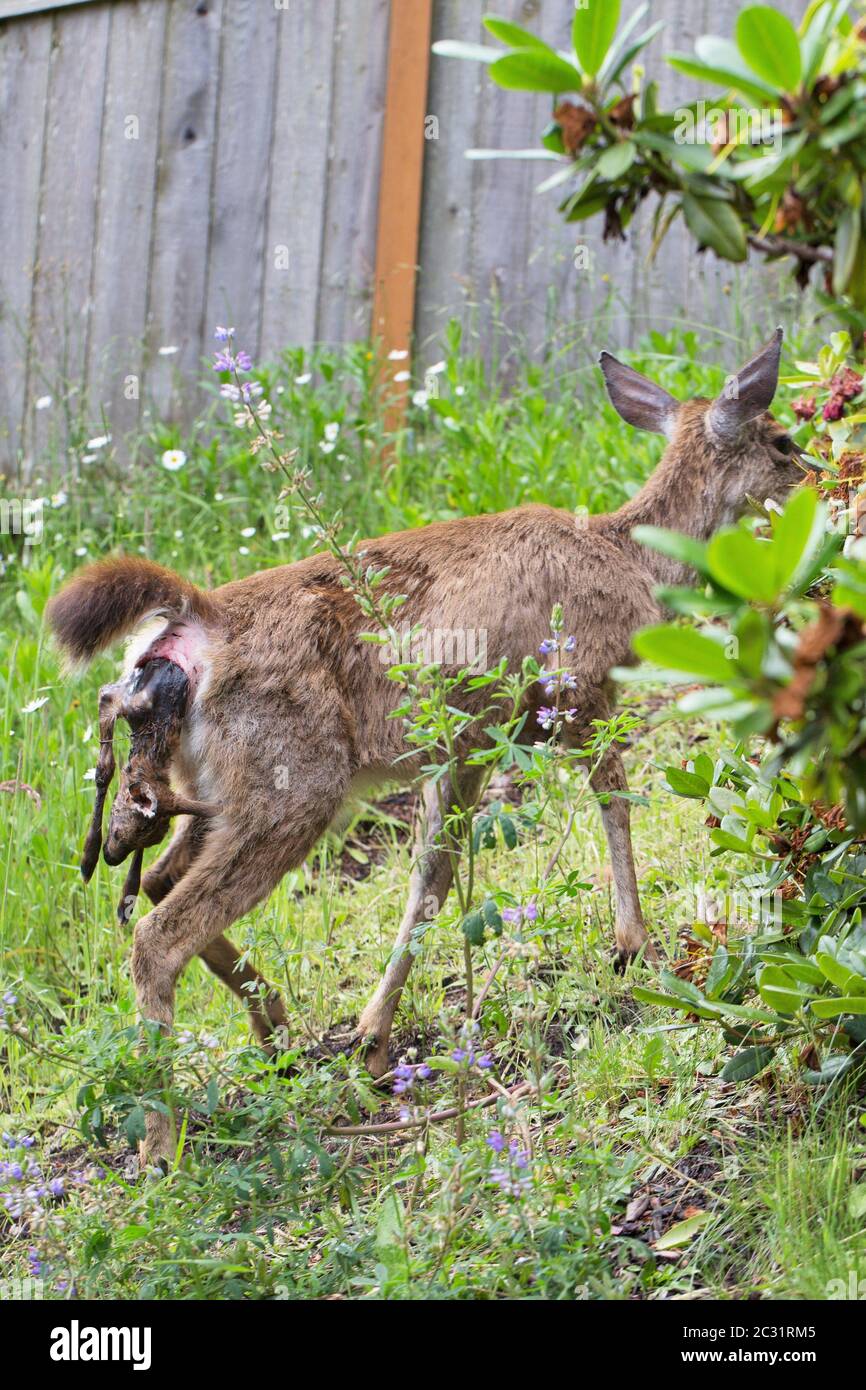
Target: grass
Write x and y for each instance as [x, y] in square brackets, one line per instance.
[645, 1175]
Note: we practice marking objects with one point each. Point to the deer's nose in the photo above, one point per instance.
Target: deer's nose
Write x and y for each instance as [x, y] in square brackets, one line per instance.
[113, 854]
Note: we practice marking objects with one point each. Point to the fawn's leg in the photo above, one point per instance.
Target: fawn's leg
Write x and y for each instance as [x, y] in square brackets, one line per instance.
[267, 1013]
[430, 880]
[241, 861]
[630, 931]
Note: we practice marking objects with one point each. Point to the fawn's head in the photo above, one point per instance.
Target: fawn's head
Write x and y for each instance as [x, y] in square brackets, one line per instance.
[730, 448]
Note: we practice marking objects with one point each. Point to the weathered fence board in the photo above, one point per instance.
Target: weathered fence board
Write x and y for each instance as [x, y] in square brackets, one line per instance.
[298, 176]
[130, 142]
[169, 164]
[67, 214]
[183, 212]
[24, 57]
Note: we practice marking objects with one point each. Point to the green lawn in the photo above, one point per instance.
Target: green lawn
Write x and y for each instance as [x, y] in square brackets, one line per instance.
[636, 1172]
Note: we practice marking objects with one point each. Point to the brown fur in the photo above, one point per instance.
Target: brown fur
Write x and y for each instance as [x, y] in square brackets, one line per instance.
[294, 713]
[108, 598]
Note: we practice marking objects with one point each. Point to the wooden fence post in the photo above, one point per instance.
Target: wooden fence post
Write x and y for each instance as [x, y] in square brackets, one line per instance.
[400, 189]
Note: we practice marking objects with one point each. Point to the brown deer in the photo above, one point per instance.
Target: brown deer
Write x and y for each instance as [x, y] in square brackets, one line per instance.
[283, 693]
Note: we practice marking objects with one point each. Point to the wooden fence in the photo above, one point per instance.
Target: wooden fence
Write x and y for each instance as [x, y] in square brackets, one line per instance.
[166, 165]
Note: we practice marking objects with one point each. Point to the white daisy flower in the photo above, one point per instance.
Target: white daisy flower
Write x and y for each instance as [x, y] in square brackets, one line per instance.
[397, 354]
[44, 402]
[168, 351]
[99, 442]
[81, 551]
[401, 376]
[420, 398]
[248, 531]
[280, 536]
[332, 429]
[59, 499]
[435, 369]
[325, 447]
[90, 775]
[173, 459]
[303, 379]
[34, 705]
[243, 550]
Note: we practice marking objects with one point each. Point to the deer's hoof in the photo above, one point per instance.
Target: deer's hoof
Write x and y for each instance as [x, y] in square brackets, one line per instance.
[624, 956]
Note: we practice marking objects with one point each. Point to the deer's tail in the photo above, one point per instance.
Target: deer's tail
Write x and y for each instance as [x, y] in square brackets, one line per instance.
[107, 600]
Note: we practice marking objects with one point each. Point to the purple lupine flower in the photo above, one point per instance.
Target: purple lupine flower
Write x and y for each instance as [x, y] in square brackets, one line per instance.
[549, 645]
[496, 1140]
[223, 335]
[243, 361]
[484, 1062]
[459, 1054]
[513, 915]
[404, 1076]
[424, 1071]
[546, 716]
[56, 1187]
[229, 391]
[570, 644]
[530, 911]
[10, 998]
[250, 389]
[223, 362]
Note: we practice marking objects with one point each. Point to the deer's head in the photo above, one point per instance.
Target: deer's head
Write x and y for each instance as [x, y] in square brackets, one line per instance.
[730, 448]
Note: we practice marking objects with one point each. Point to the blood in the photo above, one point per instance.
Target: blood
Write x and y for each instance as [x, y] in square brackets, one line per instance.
[179, 643]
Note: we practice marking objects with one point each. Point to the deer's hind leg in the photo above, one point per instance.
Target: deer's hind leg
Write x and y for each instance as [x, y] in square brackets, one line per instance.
[240, 863]
[222, 957]
[429, 883]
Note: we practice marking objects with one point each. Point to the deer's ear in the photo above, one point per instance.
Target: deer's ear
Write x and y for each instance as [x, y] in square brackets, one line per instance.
[637, 399]
[749, 393]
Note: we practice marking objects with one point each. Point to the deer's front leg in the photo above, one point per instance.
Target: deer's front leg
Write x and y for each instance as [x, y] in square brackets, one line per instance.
[630, 931]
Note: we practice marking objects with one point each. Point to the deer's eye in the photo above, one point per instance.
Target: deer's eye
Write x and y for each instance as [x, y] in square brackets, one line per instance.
[784, 445]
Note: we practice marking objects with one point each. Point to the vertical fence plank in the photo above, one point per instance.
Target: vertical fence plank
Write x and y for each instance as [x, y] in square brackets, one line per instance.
[24, 58]
[298, 175]
[67, 225]
[130, 139]
[182, 216]
[349, 233]
[242, 154]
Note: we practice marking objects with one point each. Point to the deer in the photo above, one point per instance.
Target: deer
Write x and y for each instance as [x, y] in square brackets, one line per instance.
[278, 679]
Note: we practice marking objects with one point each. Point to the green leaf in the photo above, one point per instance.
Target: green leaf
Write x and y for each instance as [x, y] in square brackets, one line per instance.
[674, 544]
[779, 990]
[135, 1125]
[839, 975]
[512, 34]
[683, 1231]
[616, 160]
[531, 70]
[685, 783]
[797, 535]
[592, 32]
[845, 248]
[614, 65]
[747, 1063]
[768, 41]
[714, 223]
[832, 1008]
[683, 649]
[472, 927]
[721, 77]
[744, 565]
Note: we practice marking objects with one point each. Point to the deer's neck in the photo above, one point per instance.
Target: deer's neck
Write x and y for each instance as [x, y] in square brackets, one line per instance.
[679, 498]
